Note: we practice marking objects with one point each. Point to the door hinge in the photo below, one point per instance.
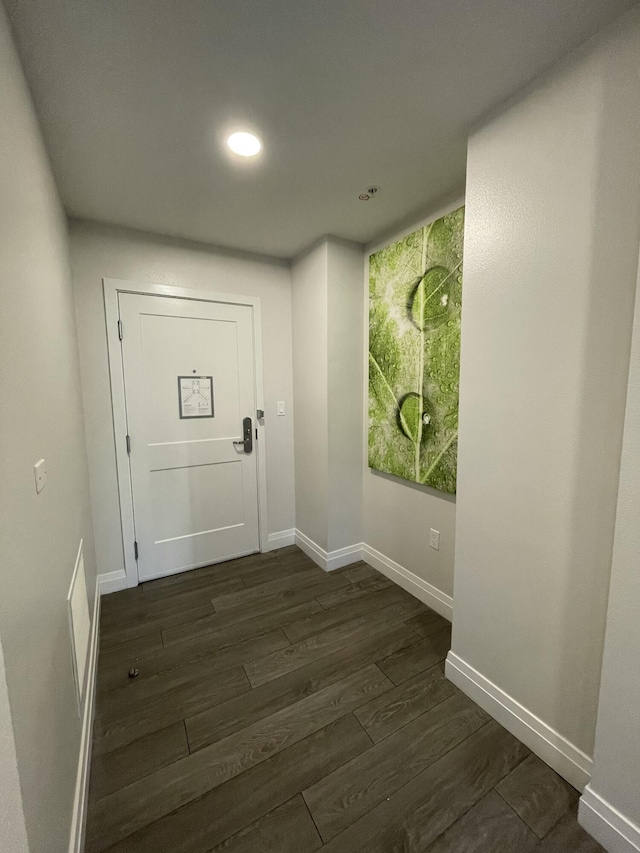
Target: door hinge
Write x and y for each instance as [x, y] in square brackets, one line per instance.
[120, 329]
[135, 549]
[128, 444]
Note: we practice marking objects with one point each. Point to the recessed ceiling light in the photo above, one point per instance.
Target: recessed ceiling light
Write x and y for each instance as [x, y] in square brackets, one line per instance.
[244, 144]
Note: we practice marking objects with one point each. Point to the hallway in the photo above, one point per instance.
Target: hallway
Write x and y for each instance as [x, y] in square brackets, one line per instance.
[272, 712]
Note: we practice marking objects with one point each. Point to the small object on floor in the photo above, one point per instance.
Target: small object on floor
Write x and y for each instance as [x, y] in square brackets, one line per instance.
[133, 672]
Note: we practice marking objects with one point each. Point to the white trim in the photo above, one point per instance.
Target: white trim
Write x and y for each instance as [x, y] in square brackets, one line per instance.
[79, 678]
[421, 589]
[119, 412]
[111, 289]
[78, 815]
[328, 560]
[112, 582]
[559, 753]
[261, 439]
[281, 539]
[607, 825]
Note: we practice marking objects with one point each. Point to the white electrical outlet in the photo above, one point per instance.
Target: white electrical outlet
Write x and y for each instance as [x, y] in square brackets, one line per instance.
[280, 408]
[434, 539]
[40, 471]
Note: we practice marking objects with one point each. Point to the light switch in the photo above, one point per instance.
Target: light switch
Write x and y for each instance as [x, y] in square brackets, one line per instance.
[40, 470]
[434, 539]
[280, 408]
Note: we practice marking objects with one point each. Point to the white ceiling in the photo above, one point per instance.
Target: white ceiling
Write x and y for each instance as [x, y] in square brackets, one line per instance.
[135, 96]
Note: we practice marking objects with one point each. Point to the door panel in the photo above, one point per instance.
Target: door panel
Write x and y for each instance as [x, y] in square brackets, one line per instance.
[195, 493]
[176, 513]
[172, 344]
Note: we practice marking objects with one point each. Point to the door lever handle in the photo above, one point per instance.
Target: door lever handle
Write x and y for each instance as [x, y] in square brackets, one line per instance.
[247, 432]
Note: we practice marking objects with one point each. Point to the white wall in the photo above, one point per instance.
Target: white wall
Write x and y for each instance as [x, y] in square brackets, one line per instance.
[397, 514]
[327, 344]
[99, 252]
[13, 833]
[340, 502]
[345, 382]
[615, 784]
[310, 382]
[551, 242]
[41, 417]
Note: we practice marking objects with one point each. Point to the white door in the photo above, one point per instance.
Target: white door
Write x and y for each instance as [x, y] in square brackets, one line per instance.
[189, 383]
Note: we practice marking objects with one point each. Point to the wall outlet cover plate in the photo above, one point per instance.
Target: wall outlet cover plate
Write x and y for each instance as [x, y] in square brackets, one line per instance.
[40, 471]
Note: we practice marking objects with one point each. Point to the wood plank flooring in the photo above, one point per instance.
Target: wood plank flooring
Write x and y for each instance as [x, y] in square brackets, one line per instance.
[280, 708]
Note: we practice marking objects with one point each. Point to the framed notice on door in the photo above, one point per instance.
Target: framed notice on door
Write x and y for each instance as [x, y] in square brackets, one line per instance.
[195, 395]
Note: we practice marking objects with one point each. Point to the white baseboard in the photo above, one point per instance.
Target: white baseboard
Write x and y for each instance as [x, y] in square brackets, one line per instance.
[112, 581]
[559, 753]
[79, 814]
[281, 539]
[328, 560]
[607, 825]
[421, 589]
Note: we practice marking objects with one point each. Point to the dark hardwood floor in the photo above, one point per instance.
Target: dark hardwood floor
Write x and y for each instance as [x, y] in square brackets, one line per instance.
[280, 708]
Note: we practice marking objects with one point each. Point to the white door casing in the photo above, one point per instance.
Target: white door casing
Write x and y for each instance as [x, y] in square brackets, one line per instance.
[188, 496]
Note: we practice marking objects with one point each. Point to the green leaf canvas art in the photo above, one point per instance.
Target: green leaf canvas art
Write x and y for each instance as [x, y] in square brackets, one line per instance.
[415, 304]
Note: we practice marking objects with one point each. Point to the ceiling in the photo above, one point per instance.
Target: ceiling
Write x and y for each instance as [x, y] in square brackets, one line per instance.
[135, 98]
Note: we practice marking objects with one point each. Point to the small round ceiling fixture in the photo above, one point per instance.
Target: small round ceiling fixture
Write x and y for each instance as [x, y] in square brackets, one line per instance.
[245, 144]
[368, 194]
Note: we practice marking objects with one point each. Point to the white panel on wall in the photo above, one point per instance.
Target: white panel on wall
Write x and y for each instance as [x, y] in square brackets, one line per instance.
[79, 624]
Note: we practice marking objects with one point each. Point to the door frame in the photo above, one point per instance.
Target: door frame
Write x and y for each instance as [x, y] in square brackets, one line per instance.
[112, 287]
